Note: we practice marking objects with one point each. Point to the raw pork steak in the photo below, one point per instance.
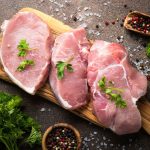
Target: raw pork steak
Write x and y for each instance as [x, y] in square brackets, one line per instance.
[109, 60]
[28, 26]
[72, 89]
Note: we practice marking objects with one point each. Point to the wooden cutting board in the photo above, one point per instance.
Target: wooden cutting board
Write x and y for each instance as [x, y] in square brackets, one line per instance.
[85, 112]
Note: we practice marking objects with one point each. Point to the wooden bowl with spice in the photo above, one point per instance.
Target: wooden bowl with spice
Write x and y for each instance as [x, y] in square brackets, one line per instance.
[138, 22]
[61, 136]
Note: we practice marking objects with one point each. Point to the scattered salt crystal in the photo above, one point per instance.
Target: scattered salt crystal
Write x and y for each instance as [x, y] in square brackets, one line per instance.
[105, 144]
[65, 18]
[131, 55]
[42, 109]
[86, 8]
[90, 123]
[87, 14]
[104, 138]
[95, 132]
[130, 140]
[83, 25]
[80, 19]
[56, 9]
[97, 146]
[91, 14]
[85, 138]
[41, 1]
[105, 4]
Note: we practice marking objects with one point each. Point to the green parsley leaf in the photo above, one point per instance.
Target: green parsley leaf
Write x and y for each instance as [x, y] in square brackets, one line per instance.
[69, 68]
[61, 66]
[34, 137]
[23, 47]
[148, 50]
[25, 63]
[108, 91]
[120, 102]
[112, 92]
[102, 82]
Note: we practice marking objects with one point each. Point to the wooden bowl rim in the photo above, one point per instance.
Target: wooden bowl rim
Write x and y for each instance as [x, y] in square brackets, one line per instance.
[48, 130]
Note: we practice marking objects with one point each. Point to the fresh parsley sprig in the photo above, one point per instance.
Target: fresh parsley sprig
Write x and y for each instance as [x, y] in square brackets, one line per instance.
[148, 50]
[115, 97]
[22, 66]
[16, 128]
[23, 47]
[61, 66]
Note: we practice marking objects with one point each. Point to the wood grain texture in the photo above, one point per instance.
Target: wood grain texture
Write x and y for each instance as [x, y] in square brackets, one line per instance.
[85, 112]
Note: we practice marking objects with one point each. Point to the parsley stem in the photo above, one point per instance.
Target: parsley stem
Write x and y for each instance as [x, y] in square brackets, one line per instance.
[69, 60]
[30, 49]
[112, 92]
[115, 89]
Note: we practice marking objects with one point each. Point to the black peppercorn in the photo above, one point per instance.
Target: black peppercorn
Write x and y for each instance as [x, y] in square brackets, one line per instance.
[125, 6]
[75, 18]
[97, 26]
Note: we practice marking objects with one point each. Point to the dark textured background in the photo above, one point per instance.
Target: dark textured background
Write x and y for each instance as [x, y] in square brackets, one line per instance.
[88, 13]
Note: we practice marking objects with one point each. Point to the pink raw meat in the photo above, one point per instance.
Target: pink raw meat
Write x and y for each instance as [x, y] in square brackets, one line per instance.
[72, 90]
[110, 60]
[28, 26]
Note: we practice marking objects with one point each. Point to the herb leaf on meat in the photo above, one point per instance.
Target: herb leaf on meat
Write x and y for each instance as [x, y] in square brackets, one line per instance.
[25, 63]
[61, 66]
[112, 92]
[23, 47]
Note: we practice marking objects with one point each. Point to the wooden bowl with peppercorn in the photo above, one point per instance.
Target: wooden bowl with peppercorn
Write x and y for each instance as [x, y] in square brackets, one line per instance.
[138, 22]
[61, 136]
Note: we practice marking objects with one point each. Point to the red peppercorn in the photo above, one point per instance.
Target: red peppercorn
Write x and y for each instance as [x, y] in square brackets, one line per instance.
[113, 22]
[148, 77]
[106, 23]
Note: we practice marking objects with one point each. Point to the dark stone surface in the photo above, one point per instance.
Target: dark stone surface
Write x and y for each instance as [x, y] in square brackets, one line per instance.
[93, 14]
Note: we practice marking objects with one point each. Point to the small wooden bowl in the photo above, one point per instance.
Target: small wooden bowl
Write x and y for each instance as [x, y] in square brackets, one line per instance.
[128, 18]
[77, 134]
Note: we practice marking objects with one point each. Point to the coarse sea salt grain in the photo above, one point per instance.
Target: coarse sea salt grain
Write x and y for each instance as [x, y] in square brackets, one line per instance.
[49, 109]
[57, 10]
[86, 8]
[42, 109]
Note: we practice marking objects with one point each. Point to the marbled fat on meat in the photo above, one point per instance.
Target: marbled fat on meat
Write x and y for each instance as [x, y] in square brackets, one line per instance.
[110, 60]
[28, 26]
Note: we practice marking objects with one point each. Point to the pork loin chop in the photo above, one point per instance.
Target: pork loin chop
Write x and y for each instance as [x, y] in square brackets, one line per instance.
[72, 89]
[27, 26]
[109, 60]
